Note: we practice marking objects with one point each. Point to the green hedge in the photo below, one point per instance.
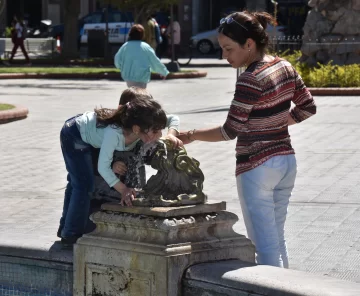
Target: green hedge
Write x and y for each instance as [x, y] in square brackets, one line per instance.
[325, 75]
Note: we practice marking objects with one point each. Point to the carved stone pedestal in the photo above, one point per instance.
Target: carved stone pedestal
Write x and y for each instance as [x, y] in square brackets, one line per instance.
[144, 251]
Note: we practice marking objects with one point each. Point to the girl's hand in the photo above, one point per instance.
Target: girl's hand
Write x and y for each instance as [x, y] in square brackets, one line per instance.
[127, 196]
[176, 142]
[119, 167]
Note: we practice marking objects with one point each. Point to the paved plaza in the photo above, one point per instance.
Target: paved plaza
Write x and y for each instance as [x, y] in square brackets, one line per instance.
[323, 225]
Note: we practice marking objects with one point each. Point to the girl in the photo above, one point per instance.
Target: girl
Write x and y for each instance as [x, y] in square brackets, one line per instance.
[259, 117]
[110, 130]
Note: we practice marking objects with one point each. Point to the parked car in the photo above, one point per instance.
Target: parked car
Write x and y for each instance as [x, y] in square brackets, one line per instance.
[42, 30]
[119, 25]
[207, 42]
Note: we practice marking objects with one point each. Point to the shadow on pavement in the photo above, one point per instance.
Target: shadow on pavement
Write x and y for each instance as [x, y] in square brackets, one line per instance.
[207, 110]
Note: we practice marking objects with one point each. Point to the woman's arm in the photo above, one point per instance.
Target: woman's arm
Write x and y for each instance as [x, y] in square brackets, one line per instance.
[205, 135]
[305, 105]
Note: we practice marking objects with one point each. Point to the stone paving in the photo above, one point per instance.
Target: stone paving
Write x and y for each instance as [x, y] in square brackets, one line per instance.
[323, 226]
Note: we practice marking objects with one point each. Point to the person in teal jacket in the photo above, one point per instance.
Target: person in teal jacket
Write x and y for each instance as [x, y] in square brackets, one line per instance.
[136, 59]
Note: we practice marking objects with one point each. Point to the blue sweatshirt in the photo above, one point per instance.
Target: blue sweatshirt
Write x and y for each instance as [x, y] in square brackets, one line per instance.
[136, 59]
[109, 139]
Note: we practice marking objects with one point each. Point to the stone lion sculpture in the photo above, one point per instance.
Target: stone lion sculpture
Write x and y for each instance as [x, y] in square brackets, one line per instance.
[179, 180]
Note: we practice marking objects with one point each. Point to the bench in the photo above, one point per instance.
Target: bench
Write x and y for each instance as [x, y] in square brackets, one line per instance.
[34, 46]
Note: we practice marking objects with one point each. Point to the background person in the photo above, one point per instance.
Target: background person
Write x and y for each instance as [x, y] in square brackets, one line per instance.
[18, 40]
[150, 33]
[175, 30]
[259, 117]
[136, 59]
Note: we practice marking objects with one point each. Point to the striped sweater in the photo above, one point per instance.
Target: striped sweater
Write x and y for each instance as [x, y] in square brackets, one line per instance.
[258, 114]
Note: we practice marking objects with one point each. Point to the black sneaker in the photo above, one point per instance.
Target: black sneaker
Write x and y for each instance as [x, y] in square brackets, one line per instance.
[68, 242]
[58, 234]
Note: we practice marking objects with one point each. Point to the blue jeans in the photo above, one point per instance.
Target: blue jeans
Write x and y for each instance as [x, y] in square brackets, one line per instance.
[264, 194]
[78, 160]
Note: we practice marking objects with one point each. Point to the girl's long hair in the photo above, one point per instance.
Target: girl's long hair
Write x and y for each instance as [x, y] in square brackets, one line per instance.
[142, 111]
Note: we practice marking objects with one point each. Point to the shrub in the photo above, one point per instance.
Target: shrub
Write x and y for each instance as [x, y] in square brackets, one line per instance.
[328, 75]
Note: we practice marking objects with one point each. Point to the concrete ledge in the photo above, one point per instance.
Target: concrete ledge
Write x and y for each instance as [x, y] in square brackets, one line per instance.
[335, 91]
[16, 113]
[110, 76]
[234, 277]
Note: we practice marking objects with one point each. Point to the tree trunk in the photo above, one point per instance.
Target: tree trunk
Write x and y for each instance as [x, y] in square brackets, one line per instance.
[71, 30]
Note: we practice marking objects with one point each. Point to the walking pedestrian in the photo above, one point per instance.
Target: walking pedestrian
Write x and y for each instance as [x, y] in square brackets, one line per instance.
[136, 59]
[175, 30]
[259, 117]
[150, 32]
[18, 41]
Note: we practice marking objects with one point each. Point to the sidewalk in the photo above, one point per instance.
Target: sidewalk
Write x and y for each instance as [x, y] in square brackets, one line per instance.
[323, 225]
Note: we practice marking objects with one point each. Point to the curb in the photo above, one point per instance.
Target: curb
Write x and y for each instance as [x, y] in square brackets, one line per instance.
[110, 76]
[17, 113]
[335, 91]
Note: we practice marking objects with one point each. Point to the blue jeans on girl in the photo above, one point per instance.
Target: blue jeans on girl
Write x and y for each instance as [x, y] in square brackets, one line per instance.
[264, 194]
[78, 160]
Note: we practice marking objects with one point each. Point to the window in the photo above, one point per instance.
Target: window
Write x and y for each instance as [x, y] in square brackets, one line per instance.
[115, 17]
[94, 18]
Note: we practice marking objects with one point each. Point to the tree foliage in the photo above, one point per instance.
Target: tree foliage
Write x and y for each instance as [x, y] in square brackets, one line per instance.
[140, 8]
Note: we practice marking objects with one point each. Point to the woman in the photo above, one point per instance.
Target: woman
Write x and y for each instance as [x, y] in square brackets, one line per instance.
[136, 59]
[259, 117]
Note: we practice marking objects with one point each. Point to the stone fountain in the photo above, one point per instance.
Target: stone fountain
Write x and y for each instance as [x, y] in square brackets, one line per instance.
[145, 249]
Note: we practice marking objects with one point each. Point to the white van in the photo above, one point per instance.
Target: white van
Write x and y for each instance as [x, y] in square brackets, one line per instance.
[119, 25]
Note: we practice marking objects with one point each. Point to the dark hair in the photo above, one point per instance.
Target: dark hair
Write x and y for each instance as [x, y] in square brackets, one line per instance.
[143, 111]
[248, 25]
[136, 32]
[131, 93]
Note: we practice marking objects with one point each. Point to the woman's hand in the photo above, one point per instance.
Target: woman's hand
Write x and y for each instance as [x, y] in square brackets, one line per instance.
[119, 167]
[176, 142]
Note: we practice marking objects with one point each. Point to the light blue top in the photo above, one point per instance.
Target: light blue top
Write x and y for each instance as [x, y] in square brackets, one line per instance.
[109, 139]
[136, 59]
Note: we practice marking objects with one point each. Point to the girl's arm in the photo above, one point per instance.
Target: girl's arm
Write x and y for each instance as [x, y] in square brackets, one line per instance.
[173, 123]
[111, 140]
